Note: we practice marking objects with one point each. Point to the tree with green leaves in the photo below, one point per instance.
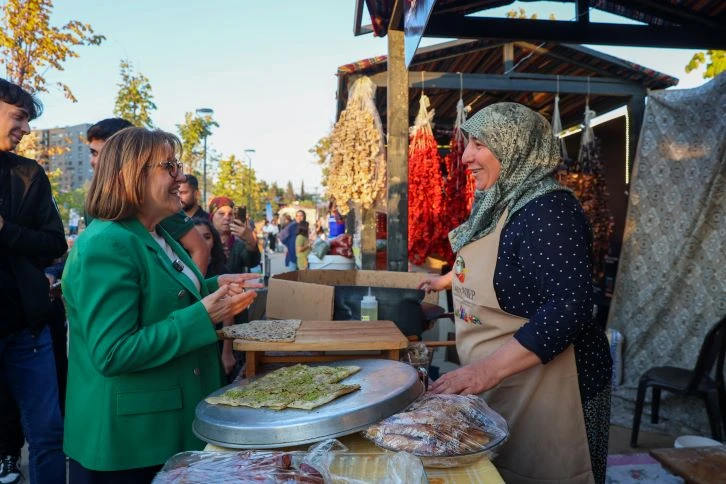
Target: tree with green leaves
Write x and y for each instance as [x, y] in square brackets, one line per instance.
[715, 65]
[302, 190]
[192, 132]
[289, 196]
[134, 100]
[30, 45]
[238, 181]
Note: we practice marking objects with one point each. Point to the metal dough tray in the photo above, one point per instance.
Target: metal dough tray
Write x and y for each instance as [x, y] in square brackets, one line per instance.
[386, 387]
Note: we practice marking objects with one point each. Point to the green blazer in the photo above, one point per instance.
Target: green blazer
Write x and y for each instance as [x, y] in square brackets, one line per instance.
[142, 349]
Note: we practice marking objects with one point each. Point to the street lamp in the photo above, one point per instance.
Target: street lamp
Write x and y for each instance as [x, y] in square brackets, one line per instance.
[205, 114]
[248, 152]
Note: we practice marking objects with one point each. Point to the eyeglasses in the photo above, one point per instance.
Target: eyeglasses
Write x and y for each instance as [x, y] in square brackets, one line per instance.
[174, 167]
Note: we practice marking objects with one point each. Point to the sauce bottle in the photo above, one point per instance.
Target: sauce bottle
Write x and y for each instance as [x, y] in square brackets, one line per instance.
[369, 307]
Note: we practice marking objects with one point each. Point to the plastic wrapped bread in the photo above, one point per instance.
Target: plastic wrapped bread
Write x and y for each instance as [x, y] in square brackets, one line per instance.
[440, 425]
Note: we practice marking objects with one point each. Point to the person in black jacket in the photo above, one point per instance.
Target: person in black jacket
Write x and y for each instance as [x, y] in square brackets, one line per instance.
[31, 236]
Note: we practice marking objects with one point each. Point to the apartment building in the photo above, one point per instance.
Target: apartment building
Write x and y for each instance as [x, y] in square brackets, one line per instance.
[66, 148]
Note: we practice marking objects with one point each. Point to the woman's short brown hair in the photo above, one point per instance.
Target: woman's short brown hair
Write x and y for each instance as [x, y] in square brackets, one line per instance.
[117, 189]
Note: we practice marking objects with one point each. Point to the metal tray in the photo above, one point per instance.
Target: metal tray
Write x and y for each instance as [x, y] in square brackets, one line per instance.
[387, 387]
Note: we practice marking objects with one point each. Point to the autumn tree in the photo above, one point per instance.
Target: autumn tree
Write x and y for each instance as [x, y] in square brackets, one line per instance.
[322, 152]
[192, 132]
[134, 100]
[30, 45]
[715, 65]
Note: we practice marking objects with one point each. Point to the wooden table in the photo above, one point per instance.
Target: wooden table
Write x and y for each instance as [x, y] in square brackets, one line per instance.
[383, 337]
[696, 465]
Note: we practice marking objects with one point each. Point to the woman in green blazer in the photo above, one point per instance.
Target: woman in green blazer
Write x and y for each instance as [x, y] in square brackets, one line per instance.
[142, 349]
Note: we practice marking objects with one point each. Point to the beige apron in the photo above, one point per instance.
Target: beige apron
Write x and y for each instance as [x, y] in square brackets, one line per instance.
[547, 441]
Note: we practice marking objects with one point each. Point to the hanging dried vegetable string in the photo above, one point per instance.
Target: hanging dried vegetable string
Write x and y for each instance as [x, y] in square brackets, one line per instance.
[424, 186]
[458, 193]
[586, 179]
[358, 163]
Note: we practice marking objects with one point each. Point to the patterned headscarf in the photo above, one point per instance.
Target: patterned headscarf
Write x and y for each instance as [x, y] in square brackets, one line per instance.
[522, 141]
[214, 205]
[217, 203]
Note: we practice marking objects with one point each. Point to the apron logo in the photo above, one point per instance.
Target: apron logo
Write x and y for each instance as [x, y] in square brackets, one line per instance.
[467, 317]
[460, 268]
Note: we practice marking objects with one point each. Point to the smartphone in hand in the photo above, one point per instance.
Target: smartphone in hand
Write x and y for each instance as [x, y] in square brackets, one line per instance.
[240, 213]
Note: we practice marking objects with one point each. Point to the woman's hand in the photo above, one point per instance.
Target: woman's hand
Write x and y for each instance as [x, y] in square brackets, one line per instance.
[468, 380]
[243, 232]
[224, 303]
[436, 284]
[242, 281]
[480, 376]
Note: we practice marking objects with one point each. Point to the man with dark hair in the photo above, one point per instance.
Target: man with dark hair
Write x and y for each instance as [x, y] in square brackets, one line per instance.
[188, 193]
[31, 235]
[179, 226]
[100, 132]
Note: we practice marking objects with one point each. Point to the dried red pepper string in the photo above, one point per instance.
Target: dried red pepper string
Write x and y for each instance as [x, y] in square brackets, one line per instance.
[424, 196]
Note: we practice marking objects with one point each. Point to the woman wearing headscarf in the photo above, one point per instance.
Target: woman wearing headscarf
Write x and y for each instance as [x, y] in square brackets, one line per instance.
[238, 240]
[522, 297]
[142, 345]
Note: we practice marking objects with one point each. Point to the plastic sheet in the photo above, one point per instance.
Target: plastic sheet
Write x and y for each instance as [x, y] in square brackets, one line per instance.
[325, 462]
[443, 430]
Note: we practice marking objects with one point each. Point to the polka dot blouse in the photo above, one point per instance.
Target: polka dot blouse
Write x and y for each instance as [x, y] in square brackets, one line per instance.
[543, 273]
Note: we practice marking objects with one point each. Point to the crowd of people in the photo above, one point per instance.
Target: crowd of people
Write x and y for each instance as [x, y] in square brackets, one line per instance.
[153, 275]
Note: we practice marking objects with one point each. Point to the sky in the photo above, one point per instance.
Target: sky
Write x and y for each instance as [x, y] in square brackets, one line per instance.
[267, 69]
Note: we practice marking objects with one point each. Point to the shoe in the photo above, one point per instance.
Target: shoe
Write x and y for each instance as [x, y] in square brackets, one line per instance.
[9, 470]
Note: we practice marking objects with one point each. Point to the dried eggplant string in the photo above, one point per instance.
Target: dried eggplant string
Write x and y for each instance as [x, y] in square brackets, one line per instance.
[357, 164]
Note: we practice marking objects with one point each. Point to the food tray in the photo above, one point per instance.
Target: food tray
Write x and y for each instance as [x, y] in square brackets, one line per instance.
[342, 468]
[387, 387]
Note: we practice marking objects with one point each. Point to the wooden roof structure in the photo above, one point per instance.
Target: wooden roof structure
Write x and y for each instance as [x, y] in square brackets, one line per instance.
[688, 24]
[695, 24]
[476, 70]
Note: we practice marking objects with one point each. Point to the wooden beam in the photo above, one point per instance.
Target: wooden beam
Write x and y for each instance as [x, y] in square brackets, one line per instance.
[463, 27]
[582, 11]
[636, 112]
[508, 55]
[519, 83]
[678, 15]
[396, 79]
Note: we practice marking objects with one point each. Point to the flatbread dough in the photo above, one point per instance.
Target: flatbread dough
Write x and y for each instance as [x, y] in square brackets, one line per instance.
[267, 330]
[299, 386]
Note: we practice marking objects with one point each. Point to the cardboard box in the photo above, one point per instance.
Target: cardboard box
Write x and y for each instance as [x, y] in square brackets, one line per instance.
[310, 295]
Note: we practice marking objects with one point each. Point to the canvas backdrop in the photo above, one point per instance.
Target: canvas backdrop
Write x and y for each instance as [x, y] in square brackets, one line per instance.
[671, 281]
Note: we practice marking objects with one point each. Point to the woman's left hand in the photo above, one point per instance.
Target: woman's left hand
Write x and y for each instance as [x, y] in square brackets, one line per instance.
[471, 379]
[239, 282]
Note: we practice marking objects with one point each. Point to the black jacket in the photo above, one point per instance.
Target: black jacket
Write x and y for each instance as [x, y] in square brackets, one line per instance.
[31, 237]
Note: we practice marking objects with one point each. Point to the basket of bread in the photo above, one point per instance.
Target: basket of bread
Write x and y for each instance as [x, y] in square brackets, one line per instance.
[444, 430]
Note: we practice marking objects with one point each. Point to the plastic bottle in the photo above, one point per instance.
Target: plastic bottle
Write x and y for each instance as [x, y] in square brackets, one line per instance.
[369, 307]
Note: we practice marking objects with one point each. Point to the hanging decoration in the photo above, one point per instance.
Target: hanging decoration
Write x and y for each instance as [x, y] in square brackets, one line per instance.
[586, 179]
[357, 167]
[557, 125]
[458, 194]
[424, 186]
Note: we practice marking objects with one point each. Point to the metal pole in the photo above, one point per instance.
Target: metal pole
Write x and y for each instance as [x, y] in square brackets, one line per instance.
[249, 189]
[204, 176]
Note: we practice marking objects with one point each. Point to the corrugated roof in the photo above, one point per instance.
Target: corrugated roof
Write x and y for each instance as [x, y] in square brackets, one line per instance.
[486, 57]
